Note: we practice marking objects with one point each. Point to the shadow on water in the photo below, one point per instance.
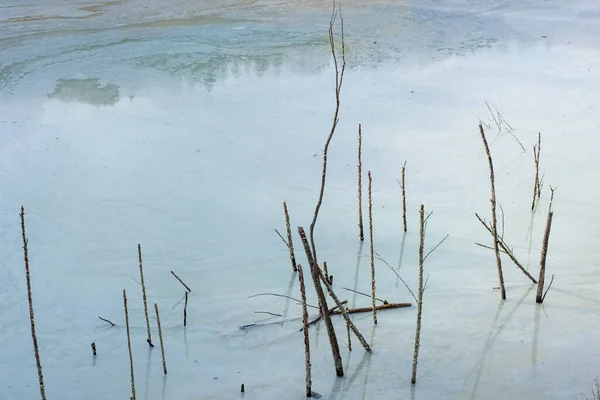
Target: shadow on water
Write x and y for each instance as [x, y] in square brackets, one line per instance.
[287, 298]
[358, 258]
[147, 385]
[401, 257]
[536, 334]
[341, 394]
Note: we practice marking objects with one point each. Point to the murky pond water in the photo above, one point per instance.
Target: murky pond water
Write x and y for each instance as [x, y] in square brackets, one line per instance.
[184, 125]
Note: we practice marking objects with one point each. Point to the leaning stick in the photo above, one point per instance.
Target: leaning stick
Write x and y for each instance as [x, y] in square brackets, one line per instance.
[31, 316]
[343, 312]
[403, 197]
[540, 295]
[305, 330]
[129, 345]
[290, 244]
[107, 321]
[372, 252]
[315, 272]
[180, 281]
[370, 309]
[360, 216]
[162, 346]
[494, 220]
[413, 379]
[330, 312]
[149, 340]
[506, 250]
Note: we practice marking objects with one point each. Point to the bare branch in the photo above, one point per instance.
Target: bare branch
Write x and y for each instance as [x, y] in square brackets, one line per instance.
[436, 246]
[284, 241]
[397, 274]
[279, 295]
[548, 288]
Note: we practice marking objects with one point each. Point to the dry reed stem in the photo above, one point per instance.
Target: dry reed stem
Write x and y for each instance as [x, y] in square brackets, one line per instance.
[494, 220]
[185, 310]
[339, 77]
[413, 379]
[403, 197]
[149, 340]
[31, 314]
[372, 251]
[107, 321]
[94, 349]
[182, 282]
[305, 331]
[315, 272]
[506, 250]
[289, 237]
[360, 215]
[349, 336]
[387, 306]
[160, 337]
[129, 345]
[343, 312]
[540, 296]
[536, 160]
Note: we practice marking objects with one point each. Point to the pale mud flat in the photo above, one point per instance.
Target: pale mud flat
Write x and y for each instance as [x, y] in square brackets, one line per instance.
[184, 127]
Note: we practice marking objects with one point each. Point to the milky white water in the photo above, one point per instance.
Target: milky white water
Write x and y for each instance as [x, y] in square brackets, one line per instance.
[183, 125]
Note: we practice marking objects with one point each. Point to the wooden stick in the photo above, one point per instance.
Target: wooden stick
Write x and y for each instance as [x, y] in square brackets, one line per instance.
[403, 198]
[289, 237]
[342, 309]
[94, 349]
[325, 269]
[366, 295]
[149, 340]
[360, 216]
[536, 160]
[506, 250]
[105, 320]
[162, 346]
[349, 336]
[413, 379]
[305, 330]
[372, 252]
[185, 310]
[540, 297]
[331, 310]
[31, 314]
[548, 288]
[129, 345]
[339, 77]
[494, 220]
[388, 306]
[183, 283]
[315, 272]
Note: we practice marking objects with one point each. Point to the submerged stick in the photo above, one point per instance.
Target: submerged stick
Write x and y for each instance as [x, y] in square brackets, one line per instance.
[387, 306]
[105, 320]
[339, 77]
[185, 310]
[413, 379]
[94, 349]
[372, 252]
[305, 331]
[315, 272]
[180, 281]
[506, 250]
[149, 340]
[494, 220]
[342, 310]
[129, 345]
[536, 160]
[289, 237]
[403, 198]
[36, 351]
[540, 296]
[160, 337]
[360, 215]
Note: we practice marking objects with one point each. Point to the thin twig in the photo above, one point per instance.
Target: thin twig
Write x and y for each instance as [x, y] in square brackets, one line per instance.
[366, 295]
[290, 243]
[105, 320]
[435, 247]
[268, 313]
[403, 187]
[548, 288]
[397, 274]
[282, 239]
[536, 159]
[179, 279]
[149, 340]
[280, 295]
[360, 215]
[36, 351]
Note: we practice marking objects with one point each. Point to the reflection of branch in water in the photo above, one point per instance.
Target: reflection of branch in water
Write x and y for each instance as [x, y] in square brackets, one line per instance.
[536, 333]
[343, 393]
[364, 394]
[401, 256]
[358, 258]
[492, 337]
[288, 293]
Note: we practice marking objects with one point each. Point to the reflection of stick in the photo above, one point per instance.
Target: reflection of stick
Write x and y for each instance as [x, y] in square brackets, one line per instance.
[185, 310]
[31, 315]
[105, 320]
[360, 216]
[162, 346]
[290, 244]
[149, 340]
[494, 220]
[540, 296]
[179, 279]
[387, 306]
[413, 379]
[129, 345]
[403, 198]
[506, 249]
[372, 252]
[305, 330]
